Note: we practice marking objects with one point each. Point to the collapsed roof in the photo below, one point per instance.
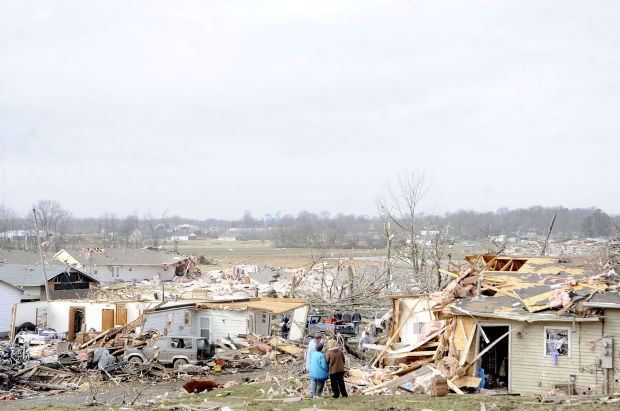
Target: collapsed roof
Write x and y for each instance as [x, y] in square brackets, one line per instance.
[529, 288]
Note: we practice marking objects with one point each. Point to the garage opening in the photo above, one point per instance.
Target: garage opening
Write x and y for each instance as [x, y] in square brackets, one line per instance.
[494, 363]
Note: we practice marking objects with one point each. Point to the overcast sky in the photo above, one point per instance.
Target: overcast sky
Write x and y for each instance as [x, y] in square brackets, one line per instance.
[209, 108]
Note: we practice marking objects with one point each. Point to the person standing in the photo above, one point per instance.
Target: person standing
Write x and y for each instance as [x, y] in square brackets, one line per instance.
[346, 316]
[284, 326]
[334, 357]
[311, 349]
[357, 317]
[318, 372]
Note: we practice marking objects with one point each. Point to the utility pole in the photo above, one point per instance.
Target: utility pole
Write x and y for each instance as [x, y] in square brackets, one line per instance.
[36, 229]
[544, 249]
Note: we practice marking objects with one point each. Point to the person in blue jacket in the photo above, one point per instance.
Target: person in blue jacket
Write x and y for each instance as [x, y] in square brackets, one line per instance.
[318, 372]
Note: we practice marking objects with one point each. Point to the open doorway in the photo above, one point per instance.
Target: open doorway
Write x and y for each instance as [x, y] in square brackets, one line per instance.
[494, 362]
[76, 322]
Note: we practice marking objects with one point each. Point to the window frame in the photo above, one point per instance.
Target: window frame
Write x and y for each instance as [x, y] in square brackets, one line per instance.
[570, 340]
[200, 328]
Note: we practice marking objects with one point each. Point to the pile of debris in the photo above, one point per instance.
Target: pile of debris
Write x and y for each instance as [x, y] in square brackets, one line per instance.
[98, 359]
[256, 352]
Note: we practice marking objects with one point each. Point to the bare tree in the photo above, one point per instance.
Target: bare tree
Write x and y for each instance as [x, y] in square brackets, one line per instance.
[54, 220]
[8, 221]
[399, 206]
[108, 228]
[128, 229]
[155, 226]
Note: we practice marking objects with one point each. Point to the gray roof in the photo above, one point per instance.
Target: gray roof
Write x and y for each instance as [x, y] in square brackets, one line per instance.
[126, 256]
[608, 300]
[22, 257]
[29, 275]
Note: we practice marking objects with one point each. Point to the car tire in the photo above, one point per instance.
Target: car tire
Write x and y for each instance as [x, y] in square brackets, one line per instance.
[178, 363]
[135, 359]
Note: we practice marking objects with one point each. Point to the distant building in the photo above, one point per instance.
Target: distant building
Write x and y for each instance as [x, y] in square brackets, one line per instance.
[120, 264]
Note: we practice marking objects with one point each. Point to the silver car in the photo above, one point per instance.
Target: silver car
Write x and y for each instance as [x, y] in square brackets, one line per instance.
[175, 351]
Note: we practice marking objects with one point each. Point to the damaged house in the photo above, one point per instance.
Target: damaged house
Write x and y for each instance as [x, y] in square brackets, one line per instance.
[23, 269]
[227, 318]
[529, 325]
[78, 318]
[124, 264]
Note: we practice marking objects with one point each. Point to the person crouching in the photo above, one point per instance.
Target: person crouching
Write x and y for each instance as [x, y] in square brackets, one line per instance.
[318, 372]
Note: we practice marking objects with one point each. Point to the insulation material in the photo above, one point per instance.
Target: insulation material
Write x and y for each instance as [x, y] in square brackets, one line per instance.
[559, 298]
[447, 366]
[429, 329]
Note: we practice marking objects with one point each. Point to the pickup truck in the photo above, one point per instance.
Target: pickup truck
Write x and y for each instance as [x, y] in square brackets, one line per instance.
[317, 325]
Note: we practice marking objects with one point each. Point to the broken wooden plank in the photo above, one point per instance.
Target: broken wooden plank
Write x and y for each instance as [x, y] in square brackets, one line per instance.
[395, 335]
[481, 353]
[466, 381]
[413, 366]
[392, 384]
[412, 354]
[469, 341]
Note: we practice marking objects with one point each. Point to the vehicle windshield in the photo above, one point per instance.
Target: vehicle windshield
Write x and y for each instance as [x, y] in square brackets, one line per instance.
[380, 314]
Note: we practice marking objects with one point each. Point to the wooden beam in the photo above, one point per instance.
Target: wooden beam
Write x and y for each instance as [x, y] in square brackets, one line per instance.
[450, 273]
[469, 341]
[392, 384]
[395, 334]
[487, 349]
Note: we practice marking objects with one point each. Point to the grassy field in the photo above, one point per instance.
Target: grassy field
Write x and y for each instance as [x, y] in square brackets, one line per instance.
[256, 252]
[259, 253]
[250, 397]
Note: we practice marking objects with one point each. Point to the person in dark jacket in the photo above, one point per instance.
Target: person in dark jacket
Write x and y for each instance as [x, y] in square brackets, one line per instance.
[318, 372]
[335, 363]
[357, 317]
[284, 327]
[346, 316]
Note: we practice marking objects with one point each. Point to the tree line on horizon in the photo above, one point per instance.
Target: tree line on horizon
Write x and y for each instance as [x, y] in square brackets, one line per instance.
[304, 229]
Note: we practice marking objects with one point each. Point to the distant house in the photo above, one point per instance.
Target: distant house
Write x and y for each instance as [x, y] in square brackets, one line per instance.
[22, 269]
[232, 234]
[183, 236]
[121, 264]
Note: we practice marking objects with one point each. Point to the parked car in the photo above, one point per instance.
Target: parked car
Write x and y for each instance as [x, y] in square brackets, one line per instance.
[174, 351]
[38, 337]
[316, 325]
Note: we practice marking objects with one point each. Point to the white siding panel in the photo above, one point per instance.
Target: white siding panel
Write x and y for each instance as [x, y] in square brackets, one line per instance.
[159, 319]
[229, 324]
[8, 297]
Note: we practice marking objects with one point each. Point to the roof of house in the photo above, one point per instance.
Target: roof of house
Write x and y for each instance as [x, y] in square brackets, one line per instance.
[29, 275]
[121, 256]
[529, 288]
[22, 257]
